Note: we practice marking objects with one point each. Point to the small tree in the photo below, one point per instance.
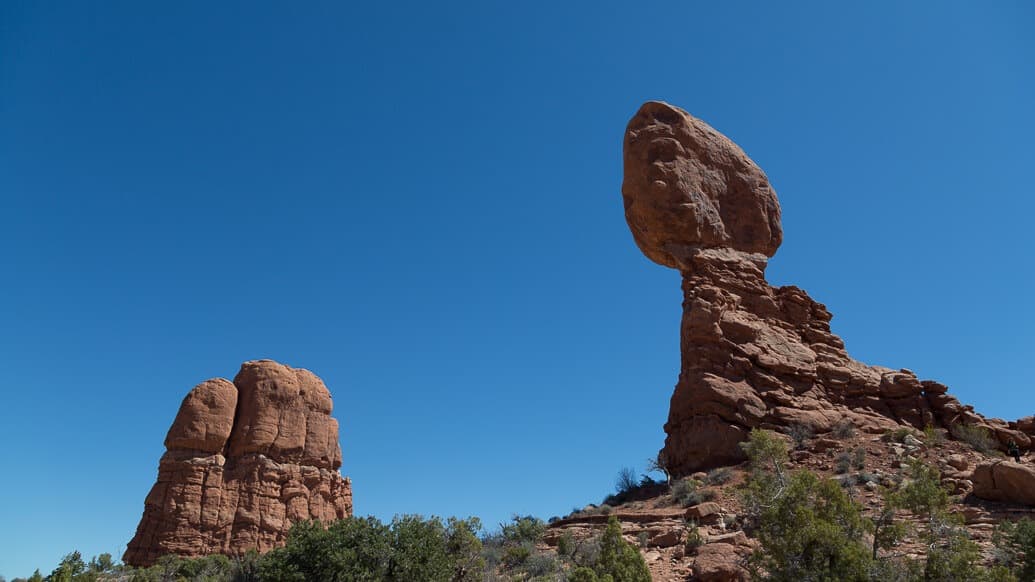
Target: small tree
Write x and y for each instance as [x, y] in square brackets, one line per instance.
[71, 566]
[1015, 547]
[659, 464]
[767, 457]
[618, 559]
[811, 531]
[465, 549]
[626, 481]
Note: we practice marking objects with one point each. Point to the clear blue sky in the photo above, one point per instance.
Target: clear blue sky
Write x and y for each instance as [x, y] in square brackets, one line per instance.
[420, 203]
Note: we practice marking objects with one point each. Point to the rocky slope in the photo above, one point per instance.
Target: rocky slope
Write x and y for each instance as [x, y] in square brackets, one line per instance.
[243, 460]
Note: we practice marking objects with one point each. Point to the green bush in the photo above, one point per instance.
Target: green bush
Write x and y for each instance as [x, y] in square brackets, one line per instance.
[1015, 548]
[364, 549]
[618, 559]
[922, 492]
[765, 451]
[811, 531]
[952, 556]
[523, 528]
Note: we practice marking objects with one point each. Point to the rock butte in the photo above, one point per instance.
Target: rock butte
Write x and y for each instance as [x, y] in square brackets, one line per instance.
[753, 355]
[243, 460]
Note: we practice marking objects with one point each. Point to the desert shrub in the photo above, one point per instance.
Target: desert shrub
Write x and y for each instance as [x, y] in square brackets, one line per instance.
[897, 435]
[800, 434]
[523, 528]
[605, 509]
[642, 539]
[843, 429]
[933, 436]
[694, 539]
[583, 574]
[587, 552]
[214, 568]
[719, 476]
[515, 556]
[767, 458]
[811, 530]
[896, 569]
[540, 564]
[1015, 548]
[625, 481]
[863, 478]
[922, 492]
[843, 462]
[618, 559]
[687, 492]
[465, 549]
[410, 548]
[765, 451]
[977, 437]
[350, 549]
[952, 555]
[859, 458]
[566, 545]
[71, 567]
[628, 487]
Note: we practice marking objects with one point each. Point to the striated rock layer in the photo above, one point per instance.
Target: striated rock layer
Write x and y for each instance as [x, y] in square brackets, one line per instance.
[753, 355]
[243, 460]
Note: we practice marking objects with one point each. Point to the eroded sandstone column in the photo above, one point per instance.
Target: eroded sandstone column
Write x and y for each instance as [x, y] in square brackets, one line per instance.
[751, 355]
[243, 461]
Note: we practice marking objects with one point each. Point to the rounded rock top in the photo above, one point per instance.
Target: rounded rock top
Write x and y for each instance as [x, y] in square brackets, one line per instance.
[687, 187]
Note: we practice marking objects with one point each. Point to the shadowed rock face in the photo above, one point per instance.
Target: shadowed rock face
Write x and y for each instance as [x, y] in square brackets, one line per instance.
[244, 460]
[752, 355]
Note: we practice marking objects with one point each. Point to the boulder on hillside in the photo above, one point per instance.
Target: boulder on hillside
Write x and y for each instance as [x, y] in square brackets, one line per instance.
[1005, 481]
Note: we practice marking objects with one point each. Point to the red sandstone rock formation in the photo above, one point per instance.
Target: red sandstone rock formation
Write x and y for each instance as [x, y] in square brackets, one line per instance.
[243, 461]
[752, 355]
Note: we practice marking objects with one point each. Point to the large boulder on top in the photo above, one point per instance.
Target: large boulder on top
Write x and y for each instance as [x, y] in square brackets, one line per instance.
[687, 186]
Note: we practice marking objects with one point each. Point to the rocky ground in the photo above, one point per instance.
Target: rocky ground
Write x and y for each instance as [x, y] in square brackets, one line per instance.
[665, 530]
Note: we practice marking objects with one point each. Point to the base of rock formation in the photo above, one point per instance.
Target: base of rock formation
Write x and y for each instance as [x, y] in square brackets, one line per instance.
[757, 356]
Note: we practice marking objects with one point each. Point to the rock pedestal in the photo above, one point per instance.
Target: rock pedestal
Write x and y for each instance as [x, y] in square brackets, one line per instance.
[243, 461]
[753, 355]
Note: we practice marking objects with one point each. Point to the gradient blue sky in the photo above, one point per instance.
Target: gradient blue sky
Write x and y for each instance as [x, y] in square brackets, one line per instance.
[420, 203]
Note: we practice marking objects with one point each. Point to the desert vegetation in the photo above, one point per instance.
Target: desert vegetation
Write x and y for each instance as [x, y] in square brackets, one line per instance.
[408, 548]
[809, 527]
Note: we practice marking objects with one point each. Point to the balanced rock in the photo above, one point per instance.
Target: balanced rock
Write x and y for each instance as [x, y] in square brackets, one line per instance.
[688, 187]
[752, 355]
[243, 461]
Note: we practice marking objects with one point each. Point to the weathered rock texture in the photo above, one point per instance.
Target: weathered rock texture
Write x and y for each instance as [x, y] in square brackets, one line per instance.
[752, 355]
[1005, 481]
[244, 459]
